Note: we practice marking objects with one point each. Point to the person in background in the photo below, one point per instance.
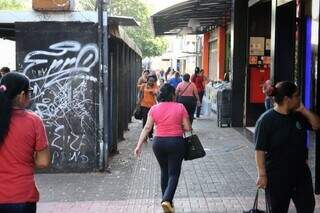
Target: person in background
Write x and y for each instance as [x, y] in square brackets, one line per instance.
[171, 121]
[282, 152]
[143, 79]
[23, 146]
[176, 80]
[161, 82]
[4, 70]
[149, 91]
[199, 80]
[187, 94]
[167, 74]
[267, 90]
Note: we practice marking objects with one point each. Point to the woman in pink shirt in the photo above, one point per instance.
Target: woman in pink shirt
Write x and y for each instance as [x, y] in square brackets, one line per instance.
[187, 94]
[23, 146]
[171, 121]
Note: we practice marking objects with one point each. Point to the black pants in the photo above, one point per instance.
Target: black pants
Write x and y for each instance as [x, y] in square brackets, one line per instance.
[201, 93]
[18, 208]
[169, 152]
[281, 189]
[190, 103]
[145, 112]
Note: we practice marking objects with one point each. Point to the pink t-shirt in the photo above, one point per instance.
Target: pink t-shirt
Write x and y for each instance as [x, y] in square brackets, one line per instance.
[168, 118]
[25, 136]
[185, 90]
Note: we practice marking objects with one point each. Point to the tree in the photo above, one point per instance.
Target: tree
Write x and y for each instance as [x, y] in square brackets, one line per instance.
[142, 36]
[11, 5]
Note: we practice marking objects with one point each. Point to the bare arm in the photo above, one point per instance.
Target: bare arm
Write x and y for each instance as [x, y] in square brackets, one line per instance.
[260, 162]
[312, 118]
[262, 174]
[186, 125]
[195, 92]
[42, 158]
[177, 92]
[143, 136]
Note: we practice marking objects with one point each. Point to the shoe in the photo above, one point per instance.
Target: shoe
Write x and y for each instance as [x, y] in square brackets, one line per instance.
[167, 207]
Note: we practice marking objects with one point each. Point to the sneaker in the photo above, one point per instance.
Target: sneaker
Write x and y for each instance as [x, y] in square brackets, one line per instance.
[167, 207]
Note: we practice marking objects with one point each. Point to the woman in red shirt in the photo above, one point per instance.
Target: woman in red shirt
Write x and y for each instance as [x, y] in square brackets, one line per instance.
[199, 80]
[23, 146]
[171, 121]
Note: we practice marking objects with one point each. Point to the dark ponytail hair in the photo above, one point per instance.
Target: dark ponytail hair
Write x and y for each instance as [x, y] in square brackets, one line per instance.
[282, 89]
[166, 93]
[11, 85]
[197, 70]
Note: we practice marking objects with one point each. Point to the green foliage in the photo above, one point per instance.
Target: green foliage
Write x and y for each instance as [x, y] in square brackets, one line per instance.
[143, 35]
[11, 5]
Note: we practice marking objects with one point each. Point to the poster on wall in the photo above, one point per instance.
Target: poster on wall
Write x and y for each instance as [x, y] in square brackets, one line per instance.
[253, 60]
[257, 45]
[268, 44]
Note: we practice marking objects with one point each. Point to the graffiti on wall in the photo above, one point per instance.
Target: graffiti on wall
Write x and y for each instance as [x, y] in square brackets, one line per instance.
[63, 80]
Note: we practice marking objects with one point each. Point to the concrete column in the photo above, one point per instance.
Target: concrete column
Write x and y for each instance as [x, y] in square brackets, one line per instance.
[238, 59]
[205, 54]
[221, 52]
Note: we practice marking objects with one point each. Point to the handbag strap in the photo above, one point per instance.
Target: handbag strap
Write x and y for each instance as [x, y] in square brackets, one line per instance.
[255, 204]
[185, 89]
[268, 206]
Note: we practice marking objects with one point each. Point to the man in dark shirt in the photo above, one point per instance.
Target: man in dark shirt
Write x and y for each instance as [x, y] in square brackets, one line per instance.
[281, 151]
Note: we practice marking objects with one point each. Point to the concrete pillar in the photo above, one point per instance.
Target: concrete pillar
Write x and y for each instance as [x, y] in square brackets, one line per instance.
[238, 59]
[221, 52]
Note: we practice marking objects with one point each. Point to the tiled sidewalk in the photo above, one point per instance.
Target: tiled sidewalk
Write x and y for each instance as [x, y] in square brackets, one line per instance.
[223, 181]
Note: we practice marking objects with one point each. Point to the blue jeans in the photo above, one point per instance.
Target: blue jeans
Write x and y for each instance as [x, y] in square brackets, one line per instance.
[268, 103]
[169, 152]
[18, 208]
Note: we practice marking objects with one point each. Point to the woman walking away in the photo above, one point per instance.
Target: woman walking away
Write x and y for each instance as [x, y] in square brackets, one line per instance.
[23, 146]
[199, 80]
[187, 94]
[281, 151]
[171, 121]
[149, 91]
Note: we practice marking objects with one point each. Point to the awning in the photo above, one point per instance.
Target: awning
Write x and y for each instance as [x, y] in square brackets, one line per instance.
[207, 13]
[9, 18]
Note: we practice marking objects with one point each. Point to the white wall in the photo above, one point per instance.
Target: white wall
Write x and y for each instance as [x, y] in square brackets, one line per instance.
[8, 54]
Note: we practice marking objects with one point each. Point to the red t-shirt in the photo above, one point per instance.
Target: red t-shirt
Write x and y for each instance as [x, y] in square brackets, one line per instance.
[25, 136]
[168, 117]
[198, 81]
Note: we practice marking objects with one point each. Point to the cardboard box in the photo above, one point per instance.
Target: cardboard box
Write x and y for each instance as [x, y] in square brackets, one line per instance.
[53, 5]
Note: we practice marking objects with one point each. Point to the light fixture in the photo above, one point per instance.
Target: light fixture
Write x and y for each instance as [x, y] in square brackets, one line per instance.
[194, 23]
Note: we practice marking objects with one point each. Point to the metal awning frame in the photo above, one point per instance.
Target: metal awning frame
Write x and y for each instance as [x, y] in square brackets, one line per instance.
[210, 13]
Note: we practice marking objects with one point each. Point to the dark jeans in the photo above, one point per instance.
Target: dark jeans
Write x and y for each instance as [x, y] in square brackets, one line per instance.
[18, 208]
[282, 188]
[268, 103]
[169, 152]
[145, 112]
[190, 103]
[201, 93]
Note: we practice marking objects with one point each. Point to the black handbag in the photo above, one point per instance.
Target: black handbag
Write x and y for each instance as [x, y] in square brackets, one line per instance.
[138, 113]
[255, 205]
[194, 148]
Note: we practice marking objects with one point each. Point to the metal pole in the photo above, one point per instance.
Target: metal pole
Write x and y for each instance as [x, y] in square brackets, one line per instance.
[197, 50]
[103, 49]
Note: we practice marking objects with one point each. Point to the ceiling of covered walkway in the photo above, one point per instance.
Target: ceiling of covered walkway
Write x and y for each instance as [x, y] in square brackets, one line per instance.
[207, 13]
